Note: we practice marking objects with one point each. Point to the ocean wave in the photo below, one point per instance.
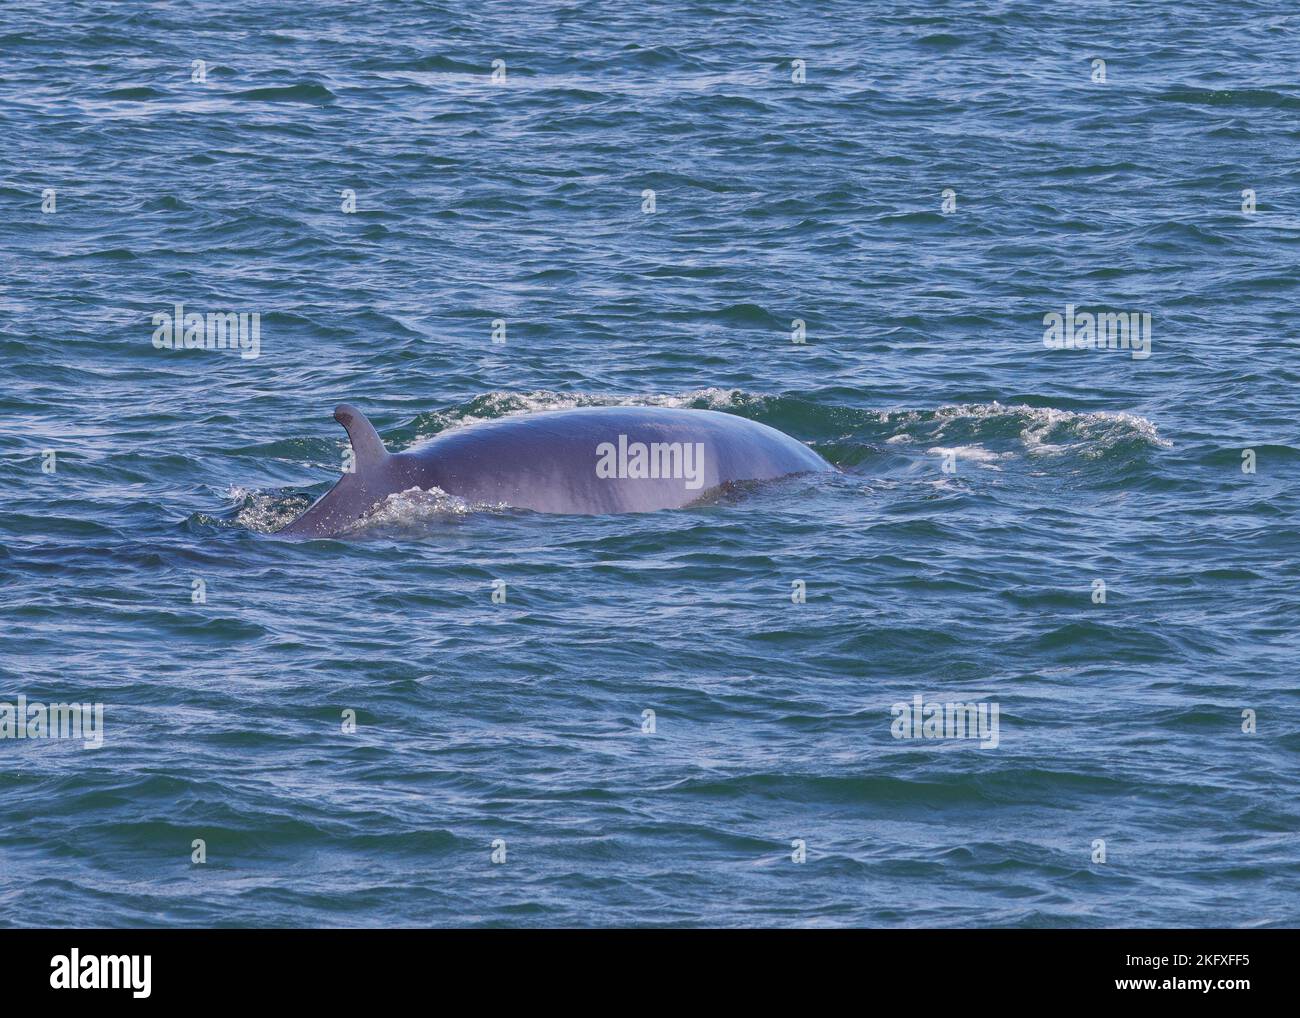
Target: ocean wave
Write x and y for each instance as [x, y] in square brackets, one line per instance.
[311, 93]
[1246, 98]
[980, 431]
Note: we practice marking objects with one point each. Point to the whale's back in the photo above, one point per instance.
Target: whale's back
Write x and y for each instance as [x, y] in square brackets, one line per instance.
[592, 460]
[609, 459]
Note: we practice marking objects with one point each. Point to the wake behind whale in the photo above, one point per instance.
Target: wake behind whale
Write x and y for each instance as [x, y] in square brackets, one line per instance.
[588, 461]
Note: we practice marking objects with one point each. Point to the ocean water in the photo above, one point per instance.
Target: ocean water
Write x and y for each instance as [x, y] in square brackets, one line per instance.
[991, 491]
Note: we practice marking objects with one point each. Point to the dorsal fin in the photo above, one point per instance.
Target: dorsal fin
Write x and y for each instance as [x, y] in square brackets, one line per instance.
[367, 447]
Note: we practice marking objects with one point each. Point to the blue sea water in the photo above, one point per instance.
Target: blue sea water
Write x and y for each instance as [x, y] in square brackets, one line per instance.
[987, 483]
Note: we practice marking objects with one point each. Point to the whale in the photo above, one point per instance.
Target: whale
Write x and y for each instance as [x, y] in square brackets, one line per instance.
[583, 461]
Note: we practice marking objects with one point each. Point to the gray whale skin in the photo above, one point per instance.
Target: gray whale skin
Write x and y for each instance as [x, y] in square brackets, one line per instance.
[591, 460]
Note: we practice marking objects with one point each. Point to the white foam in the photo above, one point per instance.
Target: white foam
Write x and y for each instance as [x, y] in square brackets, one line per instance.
[264, 512]
[1043, 430]
[416, 507]
[972, 453]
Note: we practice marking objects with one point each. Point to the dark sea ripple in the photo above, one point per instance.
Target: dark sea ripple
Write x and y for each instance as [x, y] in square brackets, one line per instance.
[521, 201]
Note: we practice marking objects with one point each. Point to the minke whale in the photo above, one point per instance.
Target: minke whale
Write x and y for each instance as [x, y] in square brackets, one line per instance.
[592, 460]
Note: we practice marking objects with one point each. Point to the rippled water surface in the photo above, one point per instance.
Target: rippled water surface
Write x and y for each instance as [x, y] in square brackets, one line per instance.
[987, 484]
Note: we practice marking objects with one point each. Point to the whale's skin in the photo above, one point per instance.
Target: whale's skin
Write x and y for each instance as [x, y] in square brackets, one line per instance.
[548, 462]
